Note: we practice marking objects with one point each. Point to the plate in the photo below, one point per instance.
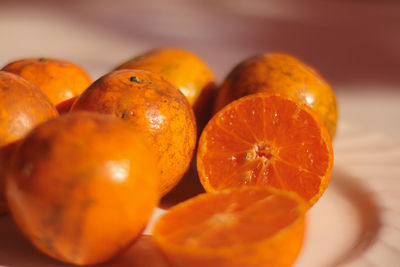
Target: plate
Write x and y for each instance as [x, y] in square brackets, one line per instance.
[355, 223]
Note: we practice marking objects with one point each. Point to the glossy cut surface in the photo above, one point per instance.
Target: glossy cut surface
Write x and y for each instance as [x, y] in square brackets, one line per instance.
[153, 106]
[249, 226]
[22, 107]
[283, 74]
[60, 80]
[265, 139]
[82, 187]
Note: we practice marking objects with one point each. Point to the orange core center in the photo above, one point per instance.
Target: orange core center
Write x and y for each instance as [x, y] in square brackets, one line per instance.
[263, 151]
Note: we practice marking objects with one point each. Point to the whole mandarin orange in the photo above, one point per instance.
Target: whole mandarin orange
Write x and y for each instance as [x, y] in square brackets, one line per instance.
[284, 74]
[186, 71]
[153, 106]
[59, 79]
[22, 107]
[82, 187]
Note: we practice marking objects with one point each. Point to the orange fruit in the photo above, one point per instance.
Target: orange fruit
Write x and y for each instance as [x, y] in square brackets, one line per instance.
[186, 71]
[58, 79]
[154, 107]
[82, 187]
[22, 107]
[264, 139]
[283, 74]
[248, 226]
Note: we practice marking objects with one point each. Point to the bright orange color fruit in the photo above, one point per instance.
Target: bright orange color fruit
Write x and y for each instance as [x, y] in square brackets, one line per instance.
[265, 139]
[283, 74]
[184, 70]
[248, 226]
[156, 108]
[60, 80]
[22, 107]
[82, 187]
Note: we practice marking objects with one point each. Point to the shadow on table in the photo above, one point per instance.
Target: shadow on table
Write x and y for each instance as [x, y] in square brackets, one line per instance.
[368, 213]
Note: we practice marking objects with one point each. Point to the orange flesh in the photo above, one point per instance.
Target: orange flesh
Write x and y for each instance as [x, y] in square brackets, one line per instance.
[265, 140]
[226, 220]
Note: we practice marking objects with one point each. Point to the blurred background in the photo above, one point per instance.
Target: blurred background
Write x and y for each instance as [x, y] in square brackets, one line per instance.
[354, 44]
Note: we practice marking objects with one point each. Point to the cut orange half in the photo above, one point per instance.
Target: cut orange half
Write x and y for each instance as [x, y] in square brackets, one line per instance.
[265, 139]
[247, 226]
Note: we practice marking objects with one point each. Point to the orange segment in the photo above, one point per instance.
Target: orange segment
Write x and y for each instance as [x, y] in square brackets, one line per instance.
[265, 139]
[249, 226]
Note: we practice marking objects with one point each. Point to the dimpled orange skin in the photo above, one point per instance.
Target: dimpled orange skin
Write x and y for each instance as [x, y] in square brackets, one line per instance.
[284, 74]
[153, 106]
[22, 107]
[82, 187]
[58, 79]
[186, 71]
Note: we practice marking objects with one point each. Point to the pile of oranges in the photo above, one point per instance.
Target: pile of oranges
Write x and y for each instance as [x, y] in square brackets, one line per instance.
[83, 164]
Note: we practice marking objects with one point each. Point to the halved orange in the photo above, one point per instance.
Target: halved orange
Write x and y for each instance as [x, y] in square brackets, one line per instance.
[247, 226]
[266, 139]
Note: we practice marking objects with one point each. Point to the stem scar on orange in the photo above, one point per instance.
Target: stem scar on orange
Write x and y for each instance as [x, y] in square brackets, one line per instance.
[82, 187]
[265, 139]
[247, 226]
[283, 74]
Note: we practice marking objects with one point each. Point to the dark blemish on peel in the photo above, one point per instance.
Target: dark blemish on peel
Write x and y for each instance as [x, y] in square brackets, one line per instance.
[52, 228]
[49, 244]
[79, 224]
[126, 114]
[135, 79]
[55, 218]
[43, 59]
[287, 73]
